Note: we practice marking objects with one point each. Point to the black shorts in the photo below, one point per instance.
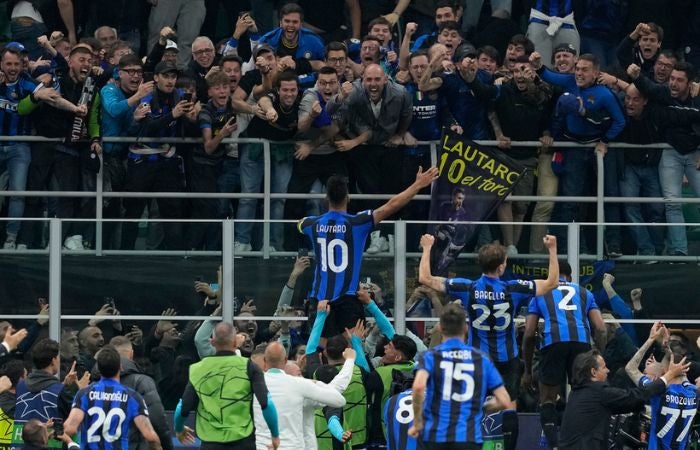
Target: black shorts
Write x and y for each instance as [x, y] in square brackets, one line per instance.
[556, 361]
[511, 371]
[345, 312]
[452, 446]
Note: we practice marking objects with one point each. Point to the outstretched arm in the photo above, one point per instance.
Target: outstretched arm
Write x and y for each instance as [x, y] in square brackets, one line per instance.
[423, 179]
[632, 367]
[552, 281]
[424, 275]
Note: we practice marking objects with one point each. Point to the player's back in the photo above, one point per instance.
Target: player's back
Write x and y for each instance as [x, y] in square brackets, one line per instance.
[565, 313]
[398, 416]
[459, 378]
[110, 409]
[672, 416]
[338, 241]
[491, 305]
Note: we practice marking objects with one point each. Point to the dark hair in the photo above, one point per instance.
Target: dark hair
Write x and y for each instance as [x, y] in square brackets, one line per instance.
[583, 364]
[564, 268]
[670, 54]
[327, 70]
[369, 37]
[685, 67]
[14, 51]
[457, 190]
[229, 58]
[80, 49]
[33, 433]
[522, 59]
[108, 361]
[185, 82]
[491, 256]
[291, 8]
[259, 350]
[446, 4]
[335, 346]
[378, 21]
[287, 75]
[405, 345]
[521, 39]
[656, 29]
[116, 45]
[337, 189]
[489, 51]
[93, 42]
[217, 79]
[592, 58]
[336, 46]
[14, 370]
[44, 352]
[449, 25]
[452, 320]
[130, 60]
[417, 54]
[326, 373]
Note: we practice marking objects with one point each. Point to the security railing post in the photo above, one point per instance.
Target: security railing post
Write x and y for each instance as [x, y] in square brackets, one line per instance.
[227, 306]
[99, 202]
[400, 276]
[55, 244]
[267, 183]
[600, 207]
[433, 155]
[572, 249]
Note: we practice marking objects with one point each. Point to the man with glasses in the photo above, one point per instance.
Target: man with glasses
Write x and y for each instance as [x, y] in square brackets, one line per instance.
[337, 58]
[119, 100]
[204, 57]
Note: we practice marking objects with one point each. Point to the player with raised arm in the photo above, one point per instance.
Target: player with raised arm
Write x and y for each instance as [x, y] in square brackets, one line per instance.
[104, 411]
[491, 305]
[450, 388]
[338, 240]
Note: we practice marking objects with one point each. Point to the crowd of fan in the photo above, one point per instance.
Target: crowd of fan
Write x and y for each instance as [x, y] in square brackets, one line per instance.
[334, 101]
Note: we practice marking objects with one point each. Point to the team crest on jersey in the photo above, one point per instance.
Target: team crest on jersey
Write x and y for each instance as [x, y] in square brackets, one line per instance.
[591, 99]
[13, 94]
[307, 55]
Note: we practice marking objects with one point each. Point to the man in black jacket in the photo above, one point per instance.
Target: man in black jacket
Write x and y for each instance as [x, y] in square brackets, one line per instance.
[585, 425]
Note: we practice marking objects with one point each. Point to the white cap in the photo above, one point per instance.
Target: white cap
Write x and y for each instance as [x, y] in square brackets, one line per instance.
[171, 45]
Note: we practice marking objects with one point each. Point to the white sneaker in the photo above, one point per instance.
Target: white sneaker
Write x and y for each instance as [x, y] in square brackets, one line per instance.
[21, 247]
[375, 244]
[511, 250]
[241, 247]
[74, 242]
[9, 245]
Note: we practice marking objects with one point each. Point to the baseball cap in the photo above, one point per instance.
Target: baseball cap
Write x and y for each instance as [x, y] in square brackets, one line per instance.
[165, 67]
[568, 103]
[465, 50]
[569, 48]
[262, 48]
[16, 46]
[171, 45]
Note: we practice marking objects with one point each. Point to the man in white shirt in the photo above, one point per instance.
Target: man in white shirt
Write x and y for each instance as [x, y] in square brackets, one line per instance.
[293, 394]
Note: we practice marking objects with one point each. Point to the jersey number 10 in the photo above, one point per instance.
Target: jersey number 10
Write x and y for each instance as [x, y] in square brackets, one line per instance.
[328, 255]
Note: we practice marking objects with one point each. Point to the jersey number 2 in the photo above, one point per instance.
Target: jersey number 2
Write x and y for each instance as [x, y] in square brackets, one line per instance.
[101, 420]
[328, 255]
[565, 303]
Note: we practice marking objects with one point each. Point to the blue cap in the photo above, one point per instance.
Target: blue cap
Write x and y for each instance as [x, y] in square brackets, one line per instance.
[14, 45]
[568, 103]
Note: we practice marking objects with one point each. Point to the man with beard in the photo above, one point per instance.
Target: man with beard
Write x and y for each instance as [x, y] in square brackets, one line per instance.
[315, 158]
[641, 47]
[203, 60]
[119, 101]
[277, 121]
[445, 11]
[91, 341]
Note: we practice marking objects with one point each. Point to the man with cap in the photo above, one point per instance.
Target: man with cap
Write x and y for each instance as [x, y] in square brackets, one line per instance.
[164, 50]
[153, 167]
[564, 58]
[186, 15]
[119, 100]
[257, 82]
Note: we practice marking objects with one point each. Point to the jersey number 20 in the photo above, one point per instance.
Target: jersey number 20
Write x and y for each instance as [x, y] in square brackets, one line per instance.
[104, 421]
[328, 255]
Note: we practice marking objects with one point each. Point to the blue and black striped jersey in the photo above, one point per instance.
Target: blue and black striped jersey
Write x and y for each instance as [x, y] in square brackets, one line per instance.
[565, 313]
[672, 415]
[110, 408]
[338, 240]
[459, 379]
[491, 304]
[398, 417]
[10, 94]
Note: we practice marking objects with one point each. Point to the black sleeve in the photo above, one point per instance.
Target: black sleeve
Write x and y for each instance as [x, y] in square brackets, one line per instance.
[482, 91]
[257, 380]
[313, 362]
[249, 81]
[190, 400]
[154, 57]
[625, 51]
[65, 400]
[658, 92]
[675, 116]
[156, 412]
[620, 401]
[375, 391]
[151, 127]
[32, 333]
[303, 66]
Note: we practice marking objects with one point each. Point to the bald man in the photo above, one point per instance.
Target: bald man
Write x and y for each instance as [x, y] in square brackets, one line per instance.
[290, 394]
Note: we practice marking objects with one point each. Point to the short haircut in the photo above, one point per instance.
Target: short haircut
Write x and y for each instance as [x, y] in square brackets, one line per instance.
[449, 25]
[564, 268]
[337, 189]
[204, 39]
[130, 60]
[80, 49]
[231, 58]
[44, 352]
[287, 75]
[521, 39]
[33, 433]
[117, 45]
[335, 346]
[583, 364]
[452, 320]
[522, 59]
[369, 37]
[95, 44]
[327, 70]
[457, 190]
[491, 256]
[417, 54]
[259, 350]
[326, 373]
[112, 29]
[447, 4]
[405, 345]
[685, 67]
[14, 51]
[656, 29]
[224, 334]
[291, 8]
[14, 370]
[592, 58]
[489, 51]
[185, 82]
[336, 46]
[121, 343]
[670, 54]
[378, 21]
[109, 361]
[217, 79]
